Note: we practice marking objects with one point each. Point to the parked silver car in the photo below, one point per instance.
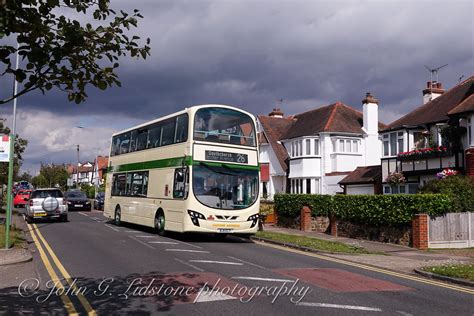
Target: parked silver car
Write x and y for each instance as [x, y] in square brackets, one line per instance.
[46, 203]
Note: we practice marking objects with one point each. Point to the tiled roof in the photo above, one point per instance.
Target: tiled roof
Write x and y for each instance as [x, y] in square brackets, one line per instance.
[274, 129]
[360, 175]
[102, 162]
[437, 110]
[465, 106]
[337, 117]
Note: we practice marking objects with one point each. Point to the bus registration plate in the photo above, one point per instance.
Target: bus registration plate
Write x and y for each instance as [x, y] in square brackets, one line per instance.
[224, 230]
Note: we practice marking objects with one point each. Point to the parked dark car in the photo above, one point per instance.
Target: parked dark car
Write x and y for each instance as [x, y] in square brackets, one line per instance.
[77, 200]
[99, 201]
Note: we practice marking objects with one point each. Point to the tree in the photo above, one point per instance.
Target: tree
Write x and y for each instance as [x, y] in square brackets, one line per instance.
[63, 53]
[25, 176]
[51, 176]
[459, 188]
[19, 149]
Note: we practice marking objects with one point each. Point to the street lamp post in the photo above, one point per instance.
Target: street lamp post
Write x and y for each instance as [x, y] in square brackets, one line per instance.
[77, 169]
[10, 163]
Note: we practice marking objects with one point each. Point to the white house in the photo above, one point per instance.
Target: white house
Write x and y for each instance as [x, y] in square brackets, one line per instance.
[312, 151]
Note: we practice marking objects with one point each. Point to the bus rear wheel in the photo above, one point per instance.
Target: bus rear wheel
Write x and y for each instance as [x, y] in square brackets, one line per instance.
[117, 217]
[160, 223]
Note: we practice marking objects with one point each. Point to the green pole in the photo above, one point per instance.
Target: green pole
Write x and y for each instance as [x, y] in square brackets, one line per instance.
[9, 192]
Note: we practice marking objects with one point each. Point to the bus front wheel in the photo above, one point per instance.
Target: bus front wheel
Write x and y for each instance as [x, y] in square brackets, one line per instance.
[160, 223]
[117, 217]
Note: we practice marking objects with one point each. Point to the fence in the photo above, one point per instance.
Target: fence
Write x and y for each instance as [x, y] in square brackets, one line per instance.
[454, 230]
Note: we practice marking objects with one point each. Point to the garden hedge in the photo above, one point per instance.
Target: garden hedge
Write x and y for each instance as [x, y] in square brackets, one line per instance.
[377, 210]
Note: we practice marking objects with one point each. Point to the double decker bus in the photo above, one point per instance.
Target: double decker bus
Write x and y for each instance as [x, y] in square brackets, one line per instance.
[192, 171]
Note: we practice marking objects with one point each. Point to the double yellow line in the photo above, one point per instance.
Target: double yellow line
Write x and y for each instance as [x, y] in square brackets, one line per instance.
[366, 267]
[37, 237]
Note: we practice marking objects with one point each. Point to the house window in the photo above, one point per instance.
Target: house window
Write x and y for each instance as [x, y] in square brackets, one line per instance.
[419, 140]
[308, 147]
[355, 146]
[348, 146]
[292, 149]
[308, 186]
[469, 131]
[316, 147]
[341, 145]
[393, 143]
[300, 145]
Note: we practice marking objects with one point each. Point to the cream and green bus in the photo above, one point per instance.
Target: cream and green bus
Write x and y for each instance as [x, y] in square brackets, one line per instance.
[192, 171]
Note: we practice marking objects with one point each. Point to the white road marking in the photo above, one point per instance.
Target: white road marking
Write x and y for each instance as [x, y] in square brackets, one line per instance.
[360, 308]
[218, 262]
[262, 279]
[145, 236]
[83, 214]
[141, 242]
[210, 296]
[130, 231]
[191, 245]
[111, 227]
[163, 242]
[246, 262]
[187, 250]
[185, 263]
[96, 219]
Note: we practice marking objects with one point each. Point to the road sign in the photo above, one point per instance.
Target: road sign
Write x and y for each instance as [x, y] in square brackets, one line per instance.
[4, 148]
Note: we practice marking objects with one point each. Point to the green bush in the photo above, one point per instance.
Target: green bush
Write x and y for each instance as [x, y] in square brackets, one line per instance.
[376, 210]
[459, 188]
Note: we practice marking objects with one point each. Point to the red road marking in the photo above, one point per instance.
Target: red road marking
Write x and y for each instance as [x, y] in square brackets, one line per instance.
[341, 281]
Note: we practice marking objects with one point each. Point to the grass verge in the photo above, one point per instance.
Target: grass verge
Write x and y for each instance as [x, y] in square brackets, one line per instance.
[16, 237]
[313, 243]
[460, 271]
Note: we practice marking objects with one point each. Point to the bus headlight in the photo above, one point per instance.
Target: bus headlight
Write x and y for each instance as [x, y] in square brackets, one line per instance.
[254, 219]
[195, 217]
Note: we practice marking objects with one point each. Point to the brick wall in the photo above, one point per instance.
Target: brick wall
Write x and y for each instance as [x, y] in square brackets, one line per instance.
[305, 223]
[419, 226]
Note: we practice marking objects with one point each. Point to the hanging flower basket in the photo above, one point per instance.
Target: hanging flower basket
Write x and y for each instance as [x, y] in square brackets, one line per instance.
[425, 153]
[395, 178]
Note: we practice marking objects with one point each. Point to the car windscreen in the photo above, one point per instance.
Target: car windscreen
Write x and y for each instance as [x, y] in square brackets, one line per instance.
[76, 195]
[41, 194]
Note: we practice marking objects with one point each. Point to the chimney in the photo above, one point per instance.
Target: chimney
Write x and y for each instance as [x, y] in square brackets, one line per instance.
[276, 113]
[433, 90]
[370, 114]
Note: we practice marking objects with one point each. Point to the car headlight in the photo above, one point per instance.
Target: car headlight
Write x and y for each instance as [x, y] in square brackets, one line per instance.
[254, 219]
[87, 202]
[69, 202]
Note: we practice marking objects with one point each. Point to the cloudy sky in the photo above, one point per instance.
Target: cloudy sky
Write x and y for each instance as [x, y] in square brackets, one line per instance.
[250, 54]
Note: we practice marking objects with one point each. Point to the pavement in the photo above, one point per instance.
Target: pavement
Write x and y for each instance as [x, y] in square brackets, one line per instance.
[389, 256]
[17, 254]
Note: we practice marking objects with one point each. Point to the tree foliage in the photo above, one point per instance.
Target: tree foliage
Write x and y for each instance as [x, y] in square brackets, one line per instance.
[459, 188]
[51, 175]
[19, 149]
[60, 52]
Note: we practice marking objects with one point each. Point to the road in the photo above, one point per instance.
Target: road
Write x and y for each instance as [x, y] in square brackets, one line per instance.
[129, 269]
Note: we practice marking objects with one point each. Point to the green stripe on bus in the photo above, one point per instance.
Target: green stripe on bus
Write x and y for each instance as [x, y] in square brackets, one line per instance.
[173, 162]
[153, 164]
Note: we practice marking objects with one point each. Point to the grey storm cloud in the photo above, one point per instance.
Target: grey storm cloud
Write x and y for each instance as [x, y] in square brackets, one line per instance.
[252, 53]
